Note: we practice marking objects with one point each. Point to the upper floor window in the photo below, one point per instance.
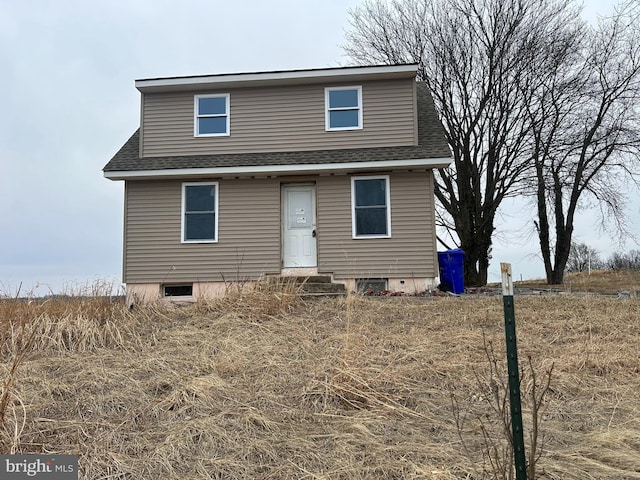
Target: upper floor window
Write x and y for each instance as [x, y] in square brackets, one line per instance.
[343, 107]
[371, 207]
[211, 115]
[200, 212]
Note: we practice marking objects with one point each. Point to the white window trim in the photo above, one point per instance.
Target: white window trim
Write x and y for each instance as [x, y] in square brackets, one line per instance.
[197, 116]
[353, 206]
[327, 90]
[183, 212]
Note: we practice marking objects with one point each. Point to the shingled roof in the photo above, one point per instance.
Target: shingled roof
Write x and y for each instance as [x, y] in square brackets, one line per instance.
[431, 145]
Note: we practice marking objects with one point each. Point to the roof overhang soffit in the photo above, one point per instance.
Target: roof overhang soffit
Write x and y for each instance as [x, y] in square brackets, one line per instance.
[260, 79]
[263, 170]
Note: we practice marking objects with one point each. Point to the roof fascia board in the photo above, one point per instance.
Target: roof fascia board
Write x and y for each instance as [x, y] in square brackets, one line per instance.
[277, 169]
[276, 77]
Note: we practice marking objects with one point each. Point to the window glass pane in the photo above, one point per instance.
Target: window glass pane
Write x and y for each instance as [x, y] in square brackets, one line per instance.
[371, 221]
[212, 125]
[343, 98]
[343, 118]
[200, 198]
[212, 106]
[199, 226]
[371, 192]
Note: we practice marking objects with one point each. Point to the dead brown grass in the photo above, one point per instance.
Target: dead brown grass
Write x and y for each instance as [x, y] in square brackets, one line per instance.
[355, 388]
[607, 282]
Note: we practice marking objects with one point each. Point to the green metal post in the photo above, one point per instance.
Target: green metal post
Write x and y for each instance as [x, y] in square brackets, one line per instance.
[514, 375]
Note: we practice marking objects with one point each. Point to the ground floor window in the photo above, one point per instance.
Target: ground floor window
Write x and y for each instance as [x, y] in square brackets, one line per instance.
[199, 212]
[370, 204]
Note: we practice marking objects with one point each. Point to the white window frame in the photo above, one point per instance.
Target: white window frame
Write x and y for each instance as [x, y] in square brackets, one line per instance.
[353, 205]
[183, 212]
[197, 116]
[327, 110]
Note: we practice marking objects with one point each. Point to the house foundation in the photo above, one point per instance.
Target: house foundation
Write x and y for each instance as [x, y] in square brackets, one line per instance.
[141, 293]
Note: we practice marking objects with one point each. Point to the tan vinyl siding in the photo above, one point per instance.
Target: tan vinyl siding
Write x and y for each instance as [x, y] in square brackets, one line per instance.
[248, 244]
[124, 231]
[414, 106]
[279, 119]
[249, 232]
[141, 141]
[410, 250]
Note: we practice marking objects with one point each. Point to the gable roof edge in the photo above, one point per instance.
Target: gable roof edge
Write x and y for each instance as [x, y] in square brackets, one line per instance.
[280, 77]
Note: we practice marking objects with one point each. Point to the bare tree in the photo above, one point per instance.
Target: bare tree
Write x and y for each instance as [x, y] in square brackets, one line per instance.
[625, 261]
[582, 258]
[475, 56]
[585, 127]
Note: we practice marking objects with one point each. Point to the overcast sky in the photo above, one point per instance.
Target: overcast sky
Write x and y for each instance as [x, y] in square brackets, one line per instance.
[68, 102]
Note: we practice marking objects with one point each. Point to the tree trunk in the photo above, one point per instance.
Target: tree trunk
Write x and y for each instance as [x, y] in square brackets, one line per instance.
[476, 261]
[563, 248]
[564, 234]
[472, 277]
[556, 277]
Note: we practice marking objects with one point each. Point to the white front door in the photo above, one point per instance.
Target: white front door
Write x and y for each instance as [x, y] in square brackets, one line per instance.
[299, 248]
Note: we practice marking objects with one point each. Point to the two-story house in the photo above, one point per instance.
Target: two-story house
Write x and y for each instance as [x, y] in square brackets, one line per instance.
[235, 176]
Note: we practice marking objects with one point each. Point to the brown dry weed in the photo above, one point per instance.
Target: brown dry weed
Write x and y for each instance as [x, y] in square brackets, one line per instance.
[265, 385]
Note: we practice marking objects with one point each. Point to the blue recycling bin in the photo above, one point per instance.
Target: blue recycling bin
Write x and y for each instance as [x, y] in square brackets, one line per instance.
[451, 264]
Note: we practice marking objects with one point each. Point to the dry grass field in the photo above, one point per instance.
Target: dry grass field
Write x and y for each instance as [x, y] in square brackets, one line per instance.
[263, 385]
[599, 281]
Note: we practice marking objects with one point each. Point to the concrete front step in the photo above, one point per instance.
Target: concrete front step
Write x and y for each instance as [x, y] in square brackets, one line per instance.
[311, 296]
[305, 279]
[323, 288]
[314, 285]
